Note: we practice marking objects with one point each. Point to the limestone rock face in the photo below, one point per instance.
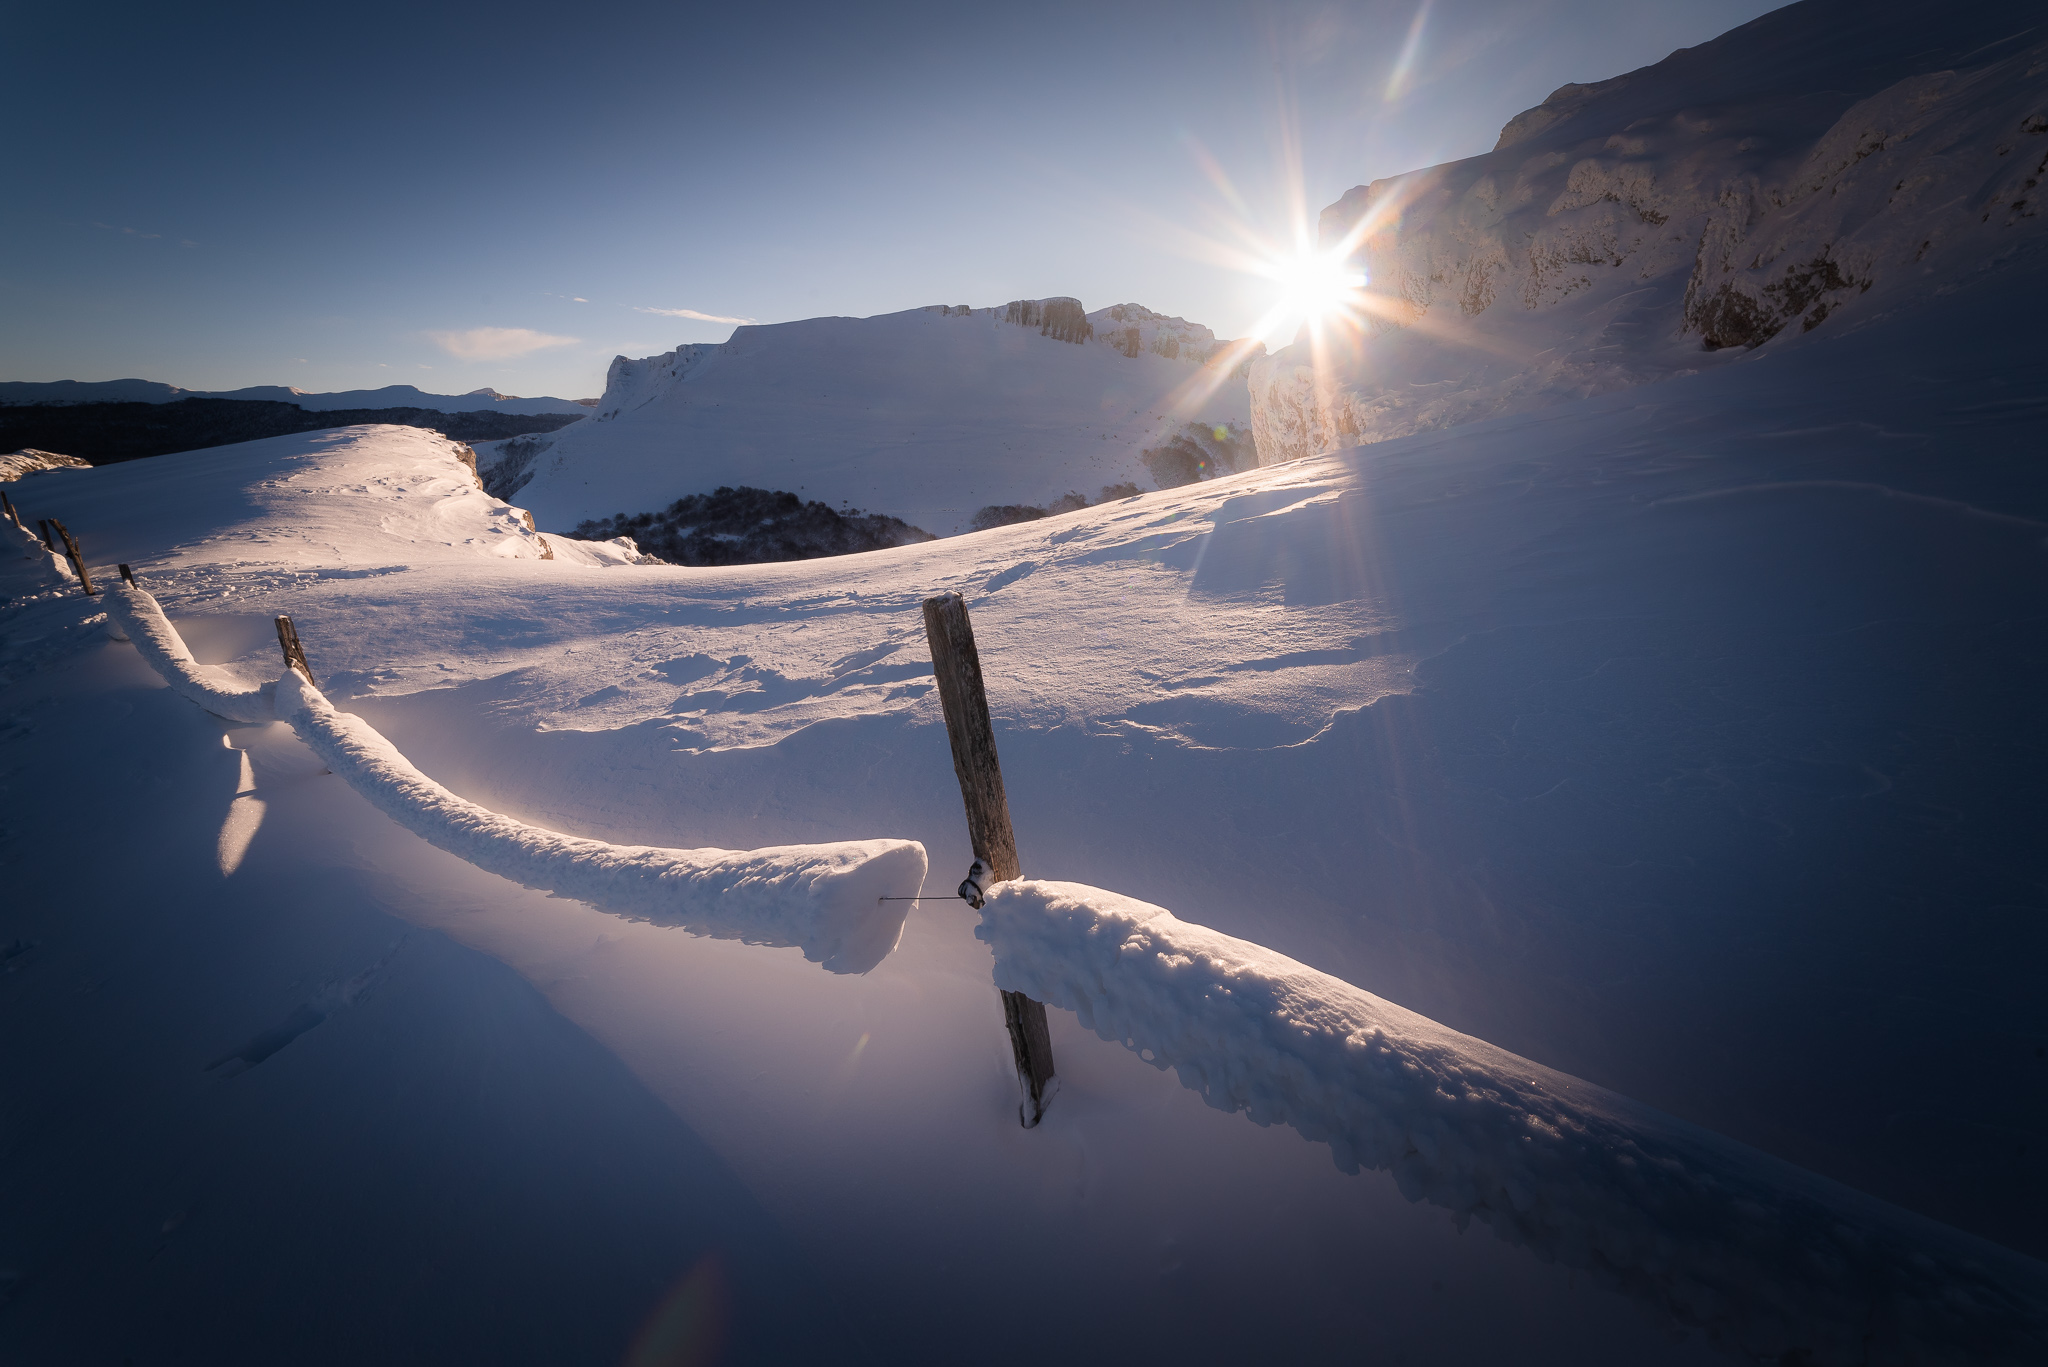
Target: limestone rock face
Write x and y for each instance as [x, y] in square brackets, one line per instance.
[1827, 159]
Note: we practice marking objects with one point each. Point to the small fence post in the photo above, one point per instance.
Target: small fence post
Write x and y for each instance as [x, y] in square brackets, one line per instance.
[127, 576]
[49, 542]
[77, 560]
[13, 514]
[294, 655]
[957, 666]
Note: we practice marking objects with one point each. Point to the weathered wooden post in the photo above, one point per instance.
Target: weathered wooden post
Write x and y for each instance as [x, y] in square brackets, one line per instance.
[49, 542]
[77, 560]
[294, 655]
[13, 514]
[957, 666]
[127, 576]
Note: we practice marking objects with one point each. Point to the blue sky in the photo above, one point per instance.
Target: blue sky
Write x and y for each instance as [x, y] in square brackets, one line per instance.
[509, 195]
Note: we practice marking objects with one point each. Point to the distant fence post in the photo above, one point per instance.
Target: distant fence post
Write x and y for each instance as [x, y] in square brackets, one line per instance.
[13, 514]
[294, 654]
[957, 666]
[49, 541]
[127, 576]
[77, 560]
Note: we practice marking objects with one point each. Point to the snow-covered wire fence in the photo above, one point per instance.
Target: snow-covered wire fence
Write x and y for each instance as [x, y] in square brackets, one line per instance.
[825, 900]
[1775, 1260]
[1768, 1259]
[134, 616]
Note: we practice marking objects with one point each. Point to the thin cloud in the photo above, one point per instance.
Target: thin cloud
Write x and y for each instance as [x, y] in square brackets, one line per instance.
[496, 344]
[126, 232]
[692, 313]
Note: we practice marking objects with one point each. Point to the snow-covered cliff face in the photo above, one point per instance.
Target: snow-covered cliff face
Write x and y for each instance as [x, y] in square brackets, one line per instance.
[928, 415]
[630, 383]
[1827, 159]
[1134, 329]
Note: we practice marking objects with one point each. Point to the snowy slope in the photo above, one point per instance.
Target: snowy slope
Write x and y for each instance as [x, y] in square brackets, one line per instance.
[1823, 165]
[927, 415]
[390, 396]
[1683, 740]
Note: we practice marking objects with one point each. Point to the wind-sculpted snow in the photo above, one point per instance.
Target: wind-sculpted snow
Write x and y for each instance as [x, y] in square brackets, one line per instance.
[37, 567]
[1771, 1259]
[824, 899]
[136, 617]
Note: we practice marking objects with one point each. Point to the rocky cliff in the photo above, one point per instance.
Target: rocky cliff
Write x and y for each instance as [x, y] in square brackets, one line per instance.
[1827, 160]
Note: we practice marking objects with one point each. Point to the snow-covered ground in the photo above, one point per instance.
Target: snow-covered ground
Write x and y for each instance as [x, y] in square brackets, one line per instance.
[928, 415]
[1684, 740]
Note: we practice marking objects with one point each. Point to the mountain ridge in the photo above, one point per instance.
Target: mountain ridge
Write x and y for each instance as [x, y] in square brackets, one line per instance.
[61, 393]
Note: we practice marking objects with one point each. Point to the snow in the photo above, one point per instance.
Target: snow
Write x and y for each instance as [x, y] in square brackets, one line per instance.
[389, 396]
[1673, 740]
[1822, 166]
[1711, 1233]
[827, 900]
[135, 617]
[1656, 772]
[31, 565]
[927, 415]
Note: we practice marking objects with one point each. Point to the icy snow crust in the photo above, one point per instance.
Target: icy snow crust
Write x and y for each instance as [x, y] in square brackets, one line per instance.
[824, 899]
[1709, 1232]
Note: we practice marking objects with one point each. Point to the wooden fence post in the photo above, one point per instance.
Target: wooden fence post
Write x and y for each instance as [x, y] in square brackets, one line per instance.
[49, 542]
[294, 654]
[127, 576]
[13, 514]
[957, 666]
[77, 560]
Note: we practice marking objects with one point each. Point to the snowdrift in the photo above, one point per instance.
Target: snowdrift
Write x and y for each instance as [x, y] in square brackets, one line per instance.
[135, 616]
[823, 899]
[1706, 1230]
[38, 567]
[826, 900]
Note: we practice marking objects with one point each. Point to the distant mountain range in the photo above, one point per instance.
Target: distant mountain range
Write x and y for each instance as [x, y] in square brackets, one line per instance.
[487, 400]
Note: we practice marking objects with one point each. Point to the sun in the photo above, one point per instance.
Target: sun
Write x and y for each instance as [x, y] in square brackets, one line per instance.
[1314, 284]
[1312, 288]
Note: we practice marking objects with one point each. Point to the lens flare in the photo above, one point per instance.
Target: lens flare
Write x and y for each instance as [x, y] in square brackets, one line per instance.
[1313, 286]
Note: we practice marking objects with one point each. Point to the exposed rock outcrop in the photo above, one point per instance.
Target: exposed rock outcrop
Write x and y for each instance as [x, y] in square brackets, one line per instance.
[746, 526]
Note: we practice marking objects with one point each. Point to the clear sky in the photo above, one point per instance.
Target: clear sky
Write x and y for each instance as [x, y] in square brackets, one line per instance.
[510, 194]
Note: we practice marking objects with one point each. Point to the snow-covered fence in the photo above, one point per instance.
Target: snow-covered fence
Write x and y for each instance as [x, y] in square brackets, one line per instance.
[1772, 1258]
[1767, 1258]
[824, 899]
[134, 616]
[827, 900]
[45, 568]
